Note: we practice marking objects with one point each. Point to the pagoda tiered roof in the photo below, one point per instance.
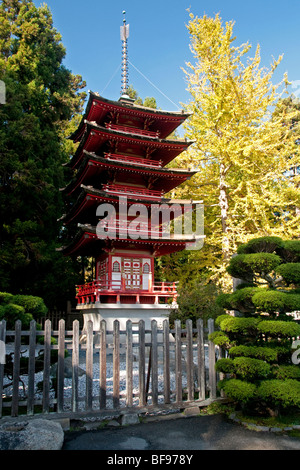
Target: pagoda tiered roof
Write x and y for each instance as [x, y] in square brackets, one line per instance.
[101, 110]
[95, 138]
[84, 208]
[86, 243]
[123, 151]
[94, 171]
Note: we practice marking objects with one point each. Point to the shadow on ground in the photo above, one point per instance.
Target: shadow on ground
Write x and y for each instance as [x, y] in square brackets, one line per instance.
[188, 433]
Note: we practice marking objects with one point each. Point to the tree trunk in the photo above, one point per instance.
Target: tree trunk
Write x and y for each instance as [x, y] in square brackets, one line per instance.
[223, 201]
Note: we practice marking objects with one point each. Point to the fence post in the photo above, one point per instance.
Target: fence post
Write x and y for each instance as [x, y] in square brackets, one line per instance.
[61, 366]
[116, 364]
[212, 362]
[166, 342]
[75, 365]
[2, 338]
[129, 364]
[31, 368]
[46, 376]
[89, 366]
[102, 364]
[142, 364]
[189, 360]
[16, 369]
[178, 363]
[201, 359]
[154, 360]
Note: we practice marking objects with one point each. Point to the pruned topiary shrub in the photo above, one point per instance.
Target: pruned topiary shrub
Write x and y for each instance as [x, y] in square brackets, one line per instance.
[259, 372]
[21, 307]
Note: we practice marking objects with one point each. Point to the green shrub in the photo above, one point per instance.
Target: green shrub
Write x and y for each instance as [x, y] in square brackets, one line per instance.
[292, 301]
[261, 244]
[224, 301]
[286, 372]
[5, 298]
[269, 300]
[225, 365]
[220, 318]
[279, 329]
[220, 339]
[246, 265]
[264, 353]
[238, 390]
[251, 369]
[290, 272]
[241, 300]
[239, 269]
[290, 251]
[259, 366]
[242, 325]
[20, 307]
[244, 367]
[32, 304]
[285, 393]
[12, 312]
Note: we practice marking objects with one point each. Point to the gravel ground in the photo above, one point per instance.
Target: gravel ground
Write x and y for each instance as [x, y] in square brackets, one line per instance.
[96, 387]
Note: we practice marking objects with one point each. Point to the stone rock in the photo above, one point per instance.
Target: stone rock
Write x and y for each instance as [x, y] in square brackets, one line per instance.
[275, 429]
[68, 369]
[113, 423]
[262, 428]
[91, 426]
[130, 418]
[38, 434]
[192, 411]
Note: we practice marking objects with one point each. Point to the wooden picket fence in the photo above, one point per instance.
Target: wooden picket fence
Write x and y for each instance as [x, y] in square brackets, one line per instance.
[136, 369]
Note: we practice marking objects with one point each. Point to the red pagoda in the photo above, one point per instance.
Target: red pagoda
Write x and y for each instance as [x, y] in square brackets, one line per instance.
[120, 164]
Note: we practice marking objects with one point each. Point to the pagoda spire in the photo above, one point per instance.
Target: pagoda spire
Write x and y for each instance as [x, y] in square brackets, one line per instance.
[124, 33]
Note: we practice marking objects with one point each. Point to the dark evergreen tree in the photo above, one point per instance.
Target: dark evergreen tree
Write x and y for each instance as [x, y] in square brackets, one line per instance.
[43, 102]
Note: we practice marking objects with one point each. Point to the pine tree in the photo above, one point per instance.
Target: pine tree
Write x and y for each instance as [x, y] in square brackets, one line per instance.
[260, 373]
[42, 99]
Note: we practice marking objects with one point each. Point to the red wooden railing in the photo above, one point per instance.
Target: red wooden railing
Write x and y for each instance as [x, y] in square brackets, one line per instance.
[133, 160]
[132, 130]
[112, 226]
[90, 292]
[133, 190]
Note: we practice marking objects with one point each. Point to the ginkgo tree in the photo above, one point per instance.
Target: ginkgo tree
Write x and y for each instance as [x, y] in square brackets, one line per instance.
[241, 150]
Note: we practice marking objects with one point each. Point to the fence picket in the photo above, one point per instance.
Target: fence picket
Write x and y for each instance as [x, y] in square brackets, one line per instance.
[129, 364]
[16, 369]
[75, 365]
[166, 359]
[116, 365]
[142, 364]
[182, 371]
[89, 366]
[102, 359]
[189, 360]
[61, 366]
[47, 360]
[178, 363]
[31, 368]
[201, 360]
[212, 361]
[154, 362]
[2, 363]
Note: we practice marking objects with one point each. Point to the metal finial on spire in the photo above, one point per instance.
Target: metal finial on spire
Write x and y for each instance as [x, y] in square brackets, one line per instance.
[124, 33]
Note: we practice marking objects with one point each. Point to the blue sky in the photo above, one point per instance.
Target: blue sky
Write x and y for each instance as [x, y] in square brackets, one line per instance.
[159, 41]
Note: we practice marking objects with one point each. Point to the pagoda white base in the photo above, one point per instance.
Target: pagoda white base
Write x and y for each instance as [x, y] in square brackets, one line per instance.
[122, 312]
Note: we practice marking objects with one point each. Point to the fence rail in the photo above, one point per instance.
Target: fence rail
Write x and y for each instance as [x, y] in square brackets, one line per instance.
[71, 371]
